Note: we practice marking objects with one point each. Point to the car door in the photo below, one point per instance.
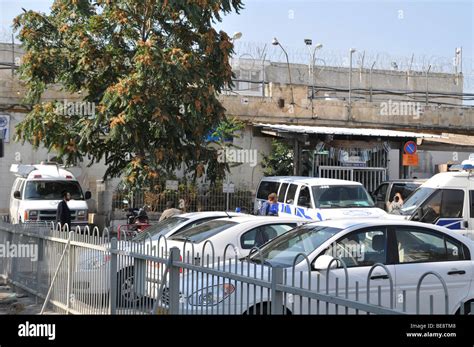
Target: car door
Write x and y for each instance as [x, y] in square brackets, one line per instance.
[380, 195]
[288, 207]
[304, 202]
[421, 250]
[14, 202]
[470, 217]
[258, 236]
[360, 250]
[445, 207]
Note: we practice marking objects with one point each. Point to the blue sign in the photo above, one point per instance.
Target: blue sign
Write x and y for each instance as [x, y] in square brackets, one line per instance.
[410, 147]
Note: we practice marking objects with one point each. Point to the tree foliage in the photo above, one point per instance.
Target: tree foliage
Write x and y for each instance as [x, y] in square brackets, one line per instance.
[151, 68]
[280, 160]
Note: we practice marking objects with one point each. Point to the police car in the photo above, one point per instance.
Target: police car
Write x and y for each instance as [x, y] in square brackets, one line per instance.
[317, 199]
[446, 199]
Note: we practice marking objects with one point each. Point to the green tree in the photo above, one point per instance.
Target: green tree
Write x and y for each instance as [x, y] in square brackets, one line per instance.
[280, 160]
[152, 68]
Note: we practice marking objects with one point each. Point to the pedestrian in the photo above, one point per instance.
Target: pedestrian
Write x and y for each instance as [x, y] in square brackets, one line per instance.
[170, 211]
[396, 203]
[269, 207]
[63, 213]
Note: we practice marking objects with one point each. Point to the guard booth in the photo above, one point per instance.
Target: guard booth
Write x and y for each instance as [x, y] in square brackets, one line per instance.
[355, 154]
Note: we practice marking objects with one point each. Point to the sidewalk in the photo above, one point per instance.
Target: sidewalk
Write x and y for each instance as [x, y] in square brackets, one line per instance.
[17, 302]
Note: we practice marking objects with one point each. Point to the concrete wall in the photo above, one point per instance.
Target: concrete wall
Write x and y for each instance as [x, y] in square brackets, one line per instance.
[338, 77]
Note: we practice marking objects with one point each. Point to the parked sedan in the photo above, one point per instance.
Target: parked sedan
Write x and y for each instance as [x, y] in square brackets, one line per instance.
[243, 233]
[92, 269]
[179, 223]
[408, 250]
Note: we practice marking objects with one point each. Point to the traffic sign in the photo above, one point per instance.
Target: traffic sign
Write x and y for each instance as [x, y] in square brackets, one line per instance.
[410, 147]
[410, 159]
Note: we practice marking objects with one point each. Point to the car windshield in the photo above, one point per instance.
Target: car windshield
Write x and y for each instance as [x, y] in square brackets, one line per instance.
[341, 196]
[161, 228]
[52, 190]
[281, 251]
[415, 200]
[204, 231]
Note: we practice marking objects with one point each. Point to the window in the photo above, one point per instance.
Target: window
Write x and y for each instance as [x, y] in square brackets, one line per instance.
[361, 248]
[341, 196]
[303, 239]
[381, 192]
[304, 199]
[204, 231]
[257, 237]
[52, 190]
[290, 197]
[281, 194]
[472, 202]
[444, 203]
[397, 188]
[266, 188]
[160, 228]
[416, 245]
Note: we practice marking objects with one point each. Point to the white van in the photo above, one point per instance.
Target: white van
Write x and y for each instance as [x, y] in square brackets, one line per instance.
[317, 198]
[37, 190]
[446, 199]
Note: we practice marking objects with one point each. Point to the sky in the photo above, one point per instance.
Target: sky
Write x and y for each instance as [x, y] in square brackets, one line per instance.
[427, 29]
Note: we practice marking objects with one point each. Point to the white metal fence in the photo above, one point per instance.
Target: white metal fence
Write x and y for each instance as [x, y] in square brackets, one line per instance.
[85, 273]
[370, 177]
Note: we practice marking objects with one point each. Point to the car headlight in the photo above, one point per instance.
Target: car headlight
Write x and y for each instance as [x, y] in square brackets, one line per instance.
[81, 214]
[211, 295]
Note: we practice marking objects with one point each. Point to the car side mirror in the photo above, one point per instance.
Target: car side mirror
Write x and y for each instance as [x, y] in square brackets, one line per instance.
[322, 262]
[17, 194]
[88, 195]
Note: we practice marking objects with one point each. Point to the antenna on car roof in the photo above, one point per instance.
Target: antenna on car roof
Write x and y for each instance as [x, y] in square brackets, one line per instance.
[228, 215]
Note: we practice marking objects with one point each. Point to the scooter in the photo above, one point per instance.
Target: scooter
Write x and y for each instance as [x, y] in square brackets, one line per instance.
[137, 221]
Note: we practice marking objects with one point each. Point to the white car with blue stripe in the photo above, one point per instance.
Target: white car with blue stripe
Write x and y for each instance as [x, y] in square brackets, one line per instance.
[446, 199]
[318, 199]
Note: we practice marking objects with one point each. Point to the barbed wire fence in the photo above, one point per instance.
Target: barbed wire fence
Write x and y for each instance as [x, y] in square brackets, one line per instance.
[254, 53]
[365, 59]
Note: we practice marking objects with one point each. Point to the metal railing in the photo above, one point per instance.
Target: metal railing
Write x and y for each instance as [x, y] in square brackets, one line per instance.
[212, 200]
[86, 273]
[370, 177]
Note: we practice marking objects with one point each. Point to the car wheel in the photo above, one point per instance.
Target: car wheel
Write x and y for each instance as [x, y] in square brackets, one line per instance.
[262, 309]
[126, 295]
[467, 308]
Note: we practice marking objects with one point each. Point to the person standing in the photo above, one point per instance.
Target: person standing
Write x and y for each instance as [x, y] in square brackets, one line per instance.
[169, 211]
[63, 213]
[270, 207]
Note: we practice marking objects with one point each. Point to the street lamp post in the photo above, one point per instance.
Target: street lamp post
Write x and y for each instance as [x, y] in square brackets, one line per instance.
[351, 52]
[275, 42]
[311, 65]
[370, 80]
[426, 74]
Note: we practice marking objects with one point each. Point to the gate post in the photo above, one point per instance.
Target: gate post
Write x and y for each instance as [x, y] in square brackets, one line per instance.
[277, 295]
[113, 277]
[174, 281]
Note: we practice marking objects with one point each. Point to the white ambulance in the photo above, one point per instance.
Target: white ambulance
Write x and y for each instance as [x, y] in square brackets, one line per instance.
[37, 190]
[317, 198]
[446, 199]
